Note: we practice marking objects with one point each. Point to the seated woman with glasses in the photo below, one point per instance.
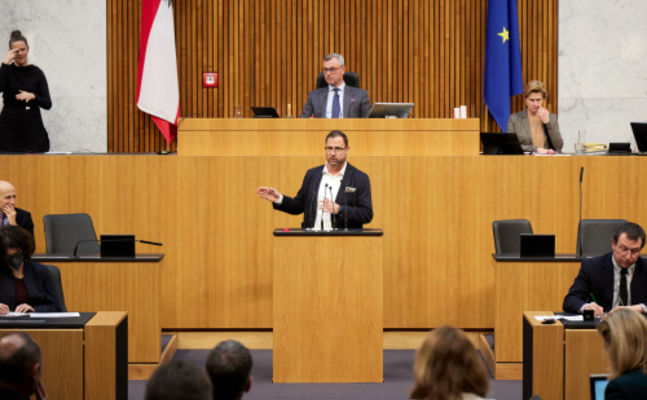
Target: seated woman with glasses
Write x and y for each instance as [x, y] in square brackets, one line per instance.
[624, 333]
[448, 367]
[25, 286]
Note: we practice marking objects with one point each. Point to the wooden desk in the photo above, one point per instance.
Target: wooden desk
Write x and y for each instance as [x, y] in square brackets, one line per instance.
[93, 283]
[86, 362]
[328, 313]
[559, 361]
[299, 137]
[526, 285]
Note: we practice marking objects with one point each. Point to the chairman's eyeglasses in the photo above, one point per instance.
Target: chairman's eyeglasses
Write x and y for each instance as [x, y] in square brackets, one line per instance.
[329, 70]
[335, 149]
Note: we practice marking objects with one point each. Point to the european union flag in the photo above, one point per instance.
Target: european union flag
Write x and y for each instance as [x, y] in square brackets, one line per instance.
[503, 77]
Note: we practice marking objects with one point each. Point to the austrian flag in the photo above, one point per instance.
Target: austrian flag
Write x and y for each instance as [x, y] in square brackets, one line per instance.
[157, 86]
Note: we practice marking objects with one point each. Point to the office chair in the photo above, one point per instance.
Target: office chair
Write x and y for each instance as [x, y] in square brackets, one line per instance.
[55, 274]
[594, 236]
[350, 78]
[64, 231]
[507, 233]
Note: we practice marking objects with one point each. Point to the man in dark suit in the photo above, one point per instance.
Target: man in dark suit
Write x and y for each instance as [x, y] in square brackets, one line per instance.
[20, 366]
[349, 187]
[337, 100]
[9, 214]
[614, 280]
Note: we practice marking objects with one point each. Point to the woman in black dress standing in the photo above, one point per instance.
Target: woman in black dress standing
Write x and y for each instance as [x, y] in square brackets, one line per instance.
[24, 92]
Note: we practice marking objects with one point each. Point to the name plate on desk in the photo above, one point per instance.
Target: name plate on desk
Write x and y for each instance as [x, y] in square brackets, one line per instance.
[319, 232]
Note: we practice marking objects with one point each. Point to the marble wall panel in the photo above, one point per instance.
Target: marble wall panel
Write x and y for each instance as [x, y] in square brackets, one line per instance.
[602, 61]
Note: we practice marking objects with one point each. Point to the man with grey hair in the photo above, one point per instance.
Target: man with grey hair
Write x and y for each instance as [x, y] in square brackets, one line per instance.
[178, 380]
[20, 362]
[9, 214]
[229, 366]
[337, 100]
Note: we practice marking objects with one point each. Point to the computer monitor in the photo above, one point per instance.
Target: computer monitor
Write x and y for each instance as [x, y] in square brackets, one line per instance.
[265, 112]
[500, 143]
[397, 110]
[640, 134]
[598, 385]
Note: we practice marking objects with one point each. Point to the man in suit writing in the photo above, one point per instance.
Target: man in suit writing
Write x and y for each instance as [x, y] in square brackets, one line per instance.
[336, 100]
[614, 280]
[337, 179]
[10, 215]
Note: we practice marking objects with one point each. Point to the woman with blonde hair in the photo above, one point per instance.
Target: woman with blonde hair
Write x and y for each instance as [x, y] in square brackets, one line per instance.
[448, 367]
[536, 128]
[624, 332]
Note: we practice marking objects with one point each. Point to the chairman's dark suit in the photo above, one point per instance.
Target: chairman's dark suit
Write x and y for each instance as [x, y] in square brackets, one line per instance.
[356, 103]
[357, 205]
[596, 276]
[39, 285]
[629, 386]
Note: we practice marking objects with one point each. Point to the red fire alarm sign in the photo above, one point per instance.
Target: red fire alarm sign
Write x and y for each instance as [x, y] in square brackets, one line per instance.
[210, 79]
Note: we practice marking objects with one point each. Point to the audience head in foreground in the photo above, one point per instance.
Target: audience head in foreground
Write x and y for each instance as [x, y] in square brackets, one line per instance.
[448, 367]
[178, 380]
[20, 362]
[624, 332]
[229, 366]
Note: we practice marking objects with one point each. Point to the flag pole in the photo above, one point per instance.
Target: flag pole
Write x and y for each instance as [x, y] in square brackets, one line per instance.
[487, 119]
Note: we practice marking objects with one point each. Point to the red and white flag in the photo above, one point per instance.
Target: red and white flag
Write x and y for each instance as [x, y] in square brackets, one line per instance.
[158, 92]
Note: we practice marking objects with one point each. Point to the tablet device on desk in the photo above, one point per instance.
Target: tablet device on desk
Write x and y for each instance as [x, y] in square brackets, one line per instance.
[534, 245]
[598, 385]
[500, 143]
[119, 246]
[265, 112]
[393, 110]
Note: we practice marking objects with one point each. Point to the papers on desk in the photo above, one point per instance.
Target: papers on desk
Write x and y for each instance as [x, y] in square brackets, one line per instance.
[45, 315]
[564, 317]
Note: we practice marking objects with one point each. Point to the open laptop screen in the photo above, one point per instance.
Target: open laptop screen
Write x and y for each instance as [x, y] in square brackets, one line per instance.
[598, 385]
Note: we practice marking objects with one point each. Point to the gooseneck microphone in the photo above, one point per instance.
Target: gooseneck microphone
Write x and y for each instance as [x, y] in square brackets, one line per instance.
[76, 246]
[323, 211]
[579, 225]
[332, 213]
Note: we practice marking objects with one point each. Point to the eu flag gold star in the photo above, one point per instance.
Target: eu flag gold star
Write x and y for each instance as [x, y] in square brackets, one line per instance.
[505, 35]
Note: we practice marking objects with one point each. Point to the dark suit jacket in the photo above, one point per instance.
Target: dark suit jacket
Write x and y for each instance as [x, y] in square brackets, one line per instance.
[39, 285]
[356, 103]
[357, 206]
[596, 276]
[23, 219]
[629, 386]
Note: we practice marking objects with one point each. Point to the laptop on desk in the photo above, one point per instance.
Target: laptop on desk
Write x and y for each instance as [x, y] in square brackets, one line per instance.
[598, 385]
[534, 245]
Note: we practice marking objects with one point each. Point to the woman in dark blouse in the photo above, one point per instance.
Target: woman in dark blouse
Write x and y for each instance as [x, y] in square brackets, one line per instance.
[24, 92]
[25, 286]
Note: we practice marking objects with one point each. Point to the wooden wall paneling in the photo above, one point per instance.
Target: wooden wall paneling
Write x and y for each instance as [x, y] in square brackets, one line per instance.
[269, 52]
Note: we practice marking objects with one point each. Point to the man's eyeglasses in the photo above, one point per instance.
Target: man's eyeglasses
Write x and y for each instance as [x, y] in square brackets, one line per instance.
[329, 70]
[335, 149]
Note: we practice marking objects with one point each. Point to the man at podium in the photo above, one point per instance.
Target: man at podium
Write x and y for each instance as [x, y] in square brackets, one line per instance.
[333, 195]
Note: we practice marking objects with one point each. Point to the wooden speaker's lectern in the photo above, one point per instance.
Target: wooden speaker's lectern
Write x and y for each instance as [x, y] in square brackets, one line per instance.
[328, 305]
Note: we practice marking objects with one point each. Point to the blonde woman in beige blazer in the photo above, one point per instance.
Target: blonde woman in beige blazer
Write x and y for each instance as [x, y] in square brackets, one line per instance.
[536, 128]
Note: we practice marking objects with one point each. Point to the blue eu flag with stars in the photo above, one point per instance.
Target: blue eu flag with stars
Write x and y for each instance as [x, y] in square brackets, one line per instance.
[503, 77]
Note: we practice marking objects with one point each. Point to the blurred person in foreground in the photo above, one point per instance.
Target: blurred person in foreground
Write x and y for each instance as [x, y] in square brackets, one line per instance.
[624, 332]
[178, 380]
[20, 367]
[448, 367]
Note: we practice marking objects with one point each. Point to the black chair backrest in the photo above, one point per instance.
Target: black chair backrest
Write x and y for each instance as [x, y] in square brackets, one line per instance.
[507, 234]
[350, 78]
[55, 274]
[64, 231]
[594, 236]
